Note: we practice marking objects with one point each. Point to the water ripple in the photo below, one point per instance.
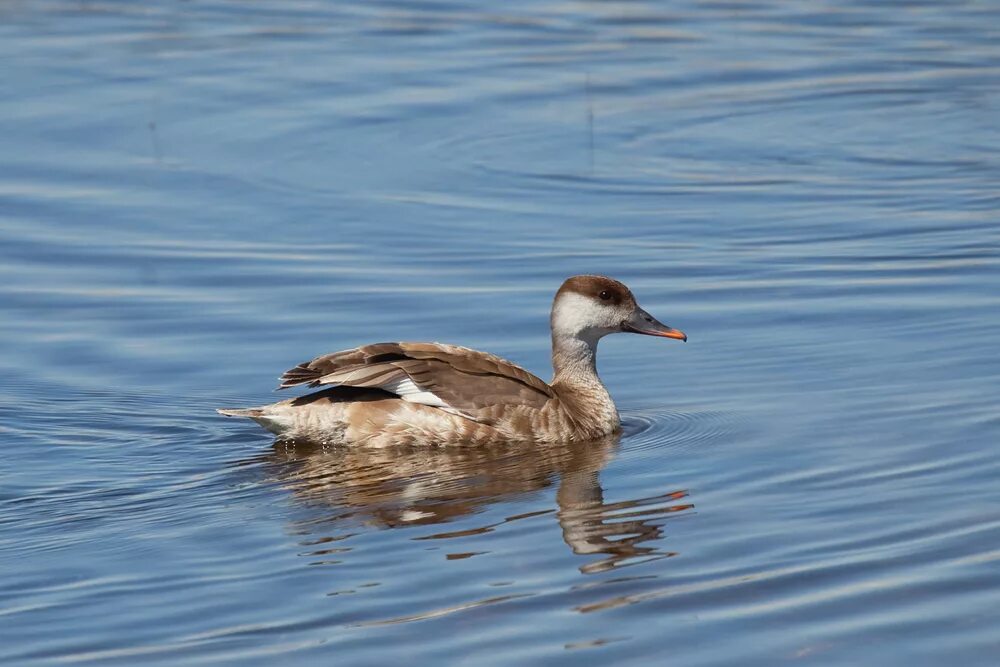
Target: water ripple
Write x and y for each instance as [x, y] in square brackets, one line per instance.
[677, 430]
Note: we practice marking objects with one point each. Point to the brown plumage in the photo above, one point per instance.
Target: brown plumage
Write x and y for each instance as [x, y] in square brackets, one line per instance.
[432, 393]
[461, 377]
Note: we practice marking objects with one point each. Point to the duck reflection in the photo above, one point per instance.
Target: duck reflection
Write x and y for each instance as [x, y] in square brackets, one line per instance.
[396, 487]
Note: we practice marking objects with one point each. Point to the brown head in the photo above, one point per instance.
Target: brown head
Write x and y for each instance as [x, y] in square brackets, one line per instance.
[590, 307]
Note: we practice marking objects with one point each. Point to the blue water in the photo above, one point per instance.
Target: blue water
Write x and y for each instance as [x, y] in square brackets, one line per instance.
[196, 196]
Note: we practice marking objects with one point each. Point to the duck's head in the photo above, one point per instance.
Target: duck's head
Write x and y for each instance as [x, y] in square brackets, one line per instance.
[590, 307]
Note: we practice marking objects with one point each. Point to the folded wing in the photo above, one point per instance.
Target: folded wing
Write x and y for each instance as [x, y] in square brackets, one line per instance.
[453, 378]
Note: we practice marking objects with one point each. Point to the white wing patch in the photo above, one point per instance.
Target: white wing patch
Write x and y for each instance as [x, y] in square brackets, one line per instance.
[395, 381]
[408, 391]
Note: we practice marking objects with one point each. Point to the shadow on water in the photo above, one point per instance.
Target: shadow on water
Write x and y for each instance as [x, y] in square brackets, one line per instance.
[401, 487]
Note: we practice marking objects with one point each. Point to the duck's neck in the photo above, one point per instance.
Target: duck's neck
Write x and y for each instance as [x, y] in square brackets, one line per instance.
[574, 360]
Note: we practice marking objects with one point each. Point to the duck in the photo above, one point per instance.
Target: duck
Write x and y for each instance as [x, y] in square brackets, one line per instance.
[406, 393]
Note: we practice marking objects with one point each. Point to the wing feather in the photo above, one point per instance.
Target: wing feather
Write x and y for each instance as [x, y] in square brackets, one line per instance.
[449, 377]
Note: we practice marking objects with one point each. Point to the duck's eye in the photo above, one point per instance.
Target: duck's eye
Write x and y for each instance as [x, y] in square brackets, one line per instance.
[605, 295]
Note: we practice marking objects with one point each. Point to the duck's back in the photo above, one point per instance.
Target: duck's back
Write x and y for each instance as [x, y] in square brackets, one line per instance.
[400, 393]
[451, 377]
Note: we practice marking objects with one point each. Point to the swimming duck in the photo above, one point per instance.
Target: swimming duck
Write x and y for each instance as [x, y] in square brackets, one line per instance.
[432, 393]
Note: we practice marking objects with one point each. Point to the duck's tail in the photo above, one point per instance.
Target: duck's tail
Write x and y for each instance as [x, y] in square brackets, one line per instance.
[270, 417]
[241, 412]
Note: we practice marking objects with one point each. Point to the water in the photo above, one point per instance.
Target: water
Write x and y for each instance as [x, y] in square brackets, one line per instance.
[196, 196]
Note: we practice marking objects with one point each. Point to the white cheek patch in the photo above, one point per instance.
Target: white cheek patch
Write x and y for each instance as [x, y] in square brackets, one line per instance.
[575, 315]
[572, 313]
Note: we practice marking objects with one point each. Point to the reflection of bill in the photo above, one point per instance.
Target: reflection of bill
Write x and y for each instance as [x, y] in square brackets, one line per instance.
[397, 487]
[591, 526]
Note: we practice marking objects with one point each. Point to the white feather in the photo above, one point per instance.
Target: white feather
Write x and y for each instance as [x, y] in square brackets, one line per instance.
[580, 317]
[405, 388]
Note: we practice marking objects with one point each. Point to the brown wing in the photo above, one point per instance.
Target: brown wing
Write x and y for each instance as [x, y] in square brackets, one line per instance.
[445, 376]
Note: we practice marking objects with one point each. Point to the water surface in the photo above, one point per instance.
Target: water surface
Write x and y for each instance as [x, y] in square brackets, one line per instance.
[196, 196]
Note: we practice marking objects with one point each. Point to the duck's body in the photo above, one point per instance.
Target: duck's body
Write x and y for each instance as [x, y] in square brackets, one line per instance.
[431, 393]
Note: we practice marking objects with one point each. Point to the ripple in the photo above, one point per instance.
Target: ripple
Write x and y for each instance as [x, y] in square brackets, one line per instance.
[446, 611]
[678, 430]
